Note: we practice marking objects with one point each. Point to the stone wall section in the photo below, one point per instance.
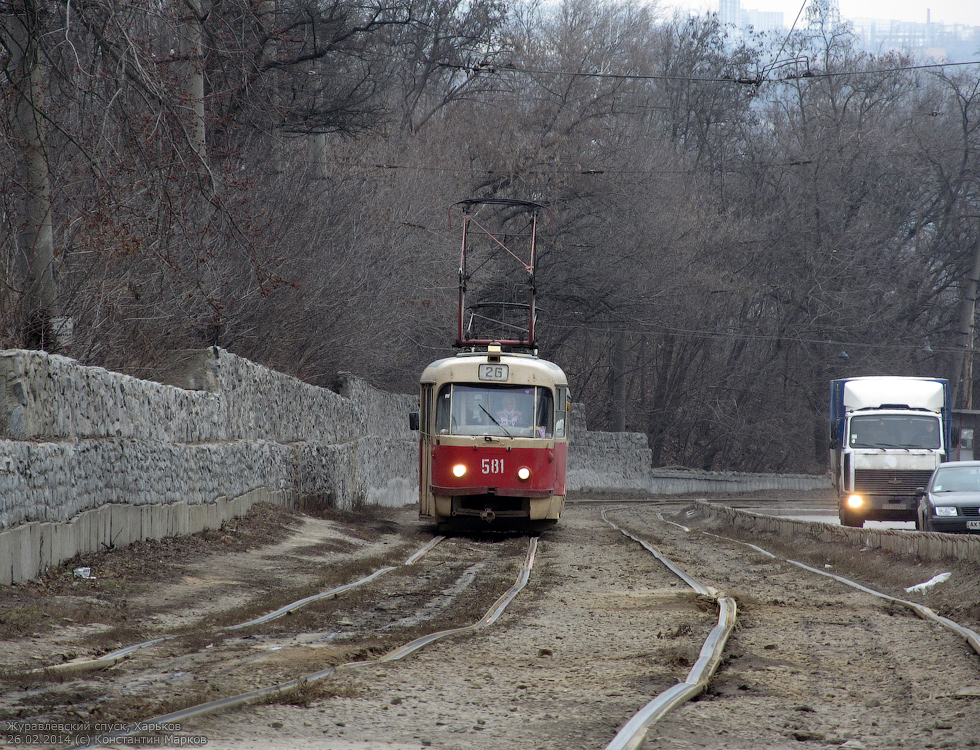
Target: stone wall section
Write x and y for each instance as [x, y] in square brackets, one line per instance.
[611, 462]
[85, 451]
[607, 461]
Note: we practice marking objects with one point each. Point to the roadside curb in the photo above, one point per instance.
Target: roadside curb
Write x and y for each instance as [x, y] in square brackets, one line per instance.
[924, 545]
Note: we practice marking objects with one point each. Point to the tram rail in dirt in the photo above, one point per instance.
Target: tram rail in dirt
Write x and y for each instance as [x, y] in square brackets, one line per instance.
[140, 670]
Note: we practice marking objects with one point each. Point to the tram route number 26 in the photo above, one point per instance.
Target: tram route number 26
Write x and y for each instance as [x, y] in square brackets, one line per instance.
[492, 465]
[499, 373]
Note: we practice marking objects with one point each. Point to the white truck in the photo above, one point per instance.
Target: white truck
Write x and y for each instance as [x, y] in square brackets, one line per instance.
[887, 435]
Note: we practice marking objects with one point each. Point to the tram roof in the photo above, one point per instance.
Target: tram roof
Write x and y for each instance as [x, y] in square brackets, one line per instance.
[463, 366]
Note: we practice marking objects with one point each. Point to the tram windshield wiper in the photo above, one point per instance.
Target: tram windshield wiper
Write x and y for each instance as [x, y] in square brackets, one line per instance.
[495, 421]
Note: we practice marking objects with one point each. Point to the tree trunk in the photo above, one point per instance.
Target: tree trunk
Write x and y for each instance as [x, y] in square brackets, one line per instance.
[617, 383]
[35, 251]
[192, 53]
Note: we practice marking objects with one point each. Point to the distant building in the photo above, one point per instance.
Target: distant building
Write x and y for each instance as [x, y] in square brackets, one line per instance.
[937, 41]
[763, 20]
[730, 13]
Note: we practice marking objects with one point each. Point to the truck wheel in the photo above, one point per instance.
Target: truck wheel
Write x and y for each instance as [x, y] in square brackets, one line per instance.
[850, 519]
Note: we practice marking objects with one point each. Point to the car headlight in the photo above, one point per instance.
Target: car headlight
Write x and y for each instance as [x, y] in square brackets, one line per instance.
[459, 470]
[945, 510]
[524, 473]
[855, 501]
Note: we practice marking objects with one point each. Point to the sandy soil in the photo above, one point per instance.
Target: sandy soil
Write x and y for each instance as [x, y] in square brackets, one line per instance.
[600, 629]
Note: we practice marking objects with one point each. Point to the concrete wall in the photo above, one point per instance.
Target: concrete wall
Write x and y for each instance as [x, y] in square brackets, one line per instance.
[683, 481]
[605, 462]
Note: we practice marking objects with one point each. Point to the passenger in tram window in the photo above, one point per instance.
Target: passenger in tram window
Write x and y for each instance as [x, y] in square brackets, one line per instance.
[510, 415]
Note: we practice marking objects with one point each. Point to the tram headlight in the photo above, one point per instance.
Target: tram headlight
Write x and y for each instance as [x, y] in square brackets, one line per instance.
[524, 473]
[459, 470]
[855, 501]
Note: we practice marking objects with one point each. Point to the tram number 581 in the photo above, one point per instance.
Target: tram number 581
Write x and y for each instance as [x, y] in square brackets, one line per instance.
[492, 465]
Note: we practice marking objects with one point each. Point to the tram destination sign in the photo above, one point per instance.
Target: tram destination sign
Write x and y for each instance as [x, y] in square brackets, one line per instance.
[498, 373]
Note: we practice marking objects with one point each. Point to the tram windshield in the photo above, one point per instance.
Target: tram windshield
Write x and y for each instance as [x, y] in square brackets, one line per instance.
[509, 411]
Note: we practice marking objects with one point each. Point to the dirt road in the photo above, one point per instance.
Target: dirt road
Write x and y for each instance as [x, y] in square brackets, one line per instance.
[600, 629]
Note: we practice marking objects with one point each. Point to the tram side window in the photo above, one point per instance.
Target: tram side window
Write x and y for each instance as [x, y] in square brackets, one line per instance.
[544, 419]
[562, 412]
[443, 404]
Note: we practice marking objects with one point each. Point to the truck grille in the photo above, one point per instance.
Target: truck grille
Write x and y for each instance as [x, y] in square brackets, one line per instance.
[890, 482]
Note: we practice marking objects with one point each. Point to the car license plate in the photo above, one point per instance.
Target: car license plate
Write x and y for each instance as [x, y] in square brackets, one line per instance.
[973, 525]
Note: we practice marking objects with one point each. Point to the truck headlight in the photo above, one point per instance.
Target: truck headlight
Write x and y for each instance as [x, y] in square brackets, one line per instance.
[945, 510]
[459, 470]
[855, 501]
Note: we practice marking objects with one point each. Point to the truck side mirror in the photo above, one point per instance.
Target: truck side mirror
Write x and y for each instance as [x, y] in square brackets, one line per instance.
[413, 421]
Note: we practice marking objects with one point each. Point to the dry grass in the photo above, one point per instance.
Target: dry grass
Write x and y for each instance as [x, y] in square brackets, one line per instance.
[676, 657]
[310, 693]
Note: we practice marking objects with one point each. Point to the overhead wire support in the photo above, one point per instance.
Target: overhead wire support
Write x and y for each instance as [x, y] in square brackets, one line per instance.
[495, 240]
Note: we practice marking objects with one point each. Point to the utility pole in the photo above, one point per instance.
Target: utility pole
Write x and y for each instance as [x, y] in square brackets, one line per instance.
[963, 369]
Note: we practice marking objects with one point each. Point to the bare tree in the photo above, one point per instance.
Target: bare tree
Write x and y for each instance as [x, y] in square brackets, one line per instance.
[21, 32]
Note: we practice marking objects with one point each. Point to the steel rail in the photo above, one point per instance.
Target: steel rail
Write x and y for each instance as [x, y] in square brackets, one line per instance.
[631, 735]
[971, 636]
[114, 657]
[492, 615]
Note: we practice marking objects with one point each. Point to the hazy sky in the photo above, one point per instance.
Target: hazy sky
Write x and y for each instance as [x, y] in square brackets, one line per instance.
[944, 11]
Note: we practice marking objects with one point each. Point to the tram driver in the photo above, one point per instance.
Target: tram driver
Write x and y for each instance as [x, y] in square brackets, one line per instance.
[469, 411]
[475, 410]
[510, 415]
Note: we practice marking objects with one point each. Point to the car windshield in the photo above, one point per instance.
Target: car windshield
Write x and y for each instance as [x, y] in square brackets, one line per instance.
[895, 431]
[505, 411]
[956, 479]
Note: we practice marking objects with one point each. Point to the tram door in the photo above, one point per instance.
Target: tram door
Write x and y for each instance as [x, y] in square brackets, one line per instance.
[426, 501]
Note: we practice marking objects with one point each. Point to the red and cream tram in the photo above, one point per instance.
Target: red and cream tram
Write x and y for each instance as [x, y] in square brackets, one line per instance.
[493, 420]
[493, 440]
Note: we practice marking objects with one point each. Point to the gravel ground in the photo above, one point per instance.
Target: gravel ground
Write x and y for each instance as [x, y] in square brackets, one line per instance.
[601, 628]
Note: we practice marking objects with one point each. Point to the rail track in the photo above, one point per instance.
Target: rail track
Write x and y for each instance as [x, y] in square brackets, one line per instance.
[369, 619]
[818, 657]
[602, 645]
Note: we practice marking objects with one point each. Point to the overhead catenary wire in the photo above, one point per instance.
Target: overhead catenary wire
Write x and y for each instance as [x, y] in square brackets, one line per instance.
[750, 80]
[786, 39]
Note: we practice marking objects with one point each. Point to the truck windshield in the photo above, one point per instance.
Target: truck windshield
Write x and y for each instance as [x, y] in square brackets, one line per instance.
[895, 431]
[504, 411]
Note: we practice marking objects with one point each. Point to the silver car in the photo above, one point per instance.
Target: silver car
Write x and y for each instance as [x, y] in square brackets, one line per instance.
[951, 501]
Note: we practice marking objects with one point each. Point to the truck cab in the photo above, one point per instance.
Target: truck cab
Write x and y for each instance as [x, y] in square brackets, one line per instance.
[887, 436]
